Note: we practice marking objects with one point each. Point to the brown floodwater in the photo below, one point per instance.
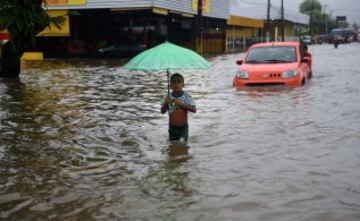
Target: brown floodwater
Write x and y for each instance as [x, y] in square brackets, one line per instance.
[84, 140]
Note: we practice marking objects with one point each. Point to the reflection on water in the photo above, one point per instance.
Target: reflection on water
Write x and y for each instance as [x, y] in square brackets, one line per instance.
[178, 149]
[84, 140]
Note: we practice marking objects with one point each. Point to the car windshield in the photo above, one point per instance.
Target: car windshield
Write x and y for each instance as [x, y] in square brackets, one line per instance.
[271, 54]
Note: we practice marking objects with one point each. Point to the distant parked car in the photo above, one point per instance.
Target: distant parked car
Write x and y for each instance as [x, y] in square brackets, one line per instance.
[121, 50]
[341, 35]
[322, 38]
[338, 38]
[273, 63]
[307, 39]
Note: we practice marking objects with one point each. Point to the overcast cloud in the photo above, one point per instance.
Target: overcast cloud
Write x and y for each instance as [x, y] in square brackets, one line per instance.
[348, 8]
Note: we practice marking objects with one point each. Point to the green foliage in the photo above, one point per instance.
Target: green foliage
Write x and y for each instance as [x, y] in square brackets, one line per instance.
[310, 7]
[319, 21]
[24, 19]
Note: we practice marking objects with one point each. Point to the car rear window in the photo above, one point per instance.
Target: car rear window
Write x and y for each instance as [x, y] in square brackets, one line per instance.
[272, 54]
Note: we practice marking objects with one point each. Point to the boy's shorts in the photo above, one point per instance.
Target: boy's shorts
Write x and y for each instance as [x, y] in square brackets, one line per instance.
[176, 133]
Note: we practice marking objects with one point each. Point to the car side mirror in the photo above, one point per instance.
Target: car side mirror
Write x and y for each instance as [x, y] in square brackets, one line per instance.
[239, 62]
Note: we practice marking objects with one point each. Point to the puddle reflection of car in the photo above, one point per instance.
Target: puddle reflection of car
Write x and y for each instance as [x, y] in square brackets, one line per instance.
[273, 63]
[121, 50]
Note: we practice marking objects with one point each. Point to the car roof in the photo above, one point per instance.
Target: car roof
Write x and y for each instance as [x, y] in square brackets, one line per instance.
[276, 43]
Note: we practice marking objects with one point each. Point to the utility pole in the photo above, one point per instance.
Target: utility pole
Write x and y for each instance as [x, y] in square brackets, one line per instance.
[325, 21]
[200, 26]
[311, 17]
[282, 21]
[267, 32]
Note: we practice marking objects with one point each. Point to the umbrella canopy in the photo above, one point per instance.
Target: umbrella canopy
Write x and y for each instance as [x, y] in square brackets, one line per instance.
[167, 56]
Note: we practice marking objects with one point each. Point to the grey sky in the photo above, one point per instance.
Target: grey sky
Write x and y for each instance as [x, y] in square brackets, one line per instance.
[349, 8]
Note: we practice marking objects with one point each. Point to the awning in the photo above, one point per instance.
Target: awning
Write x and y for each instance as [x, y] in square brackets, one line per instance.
[245, 22]
[65, 2]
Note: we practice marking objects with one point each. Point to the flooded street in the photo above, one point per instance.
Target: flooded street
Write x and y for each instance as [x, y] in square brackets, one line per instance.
[85, 140]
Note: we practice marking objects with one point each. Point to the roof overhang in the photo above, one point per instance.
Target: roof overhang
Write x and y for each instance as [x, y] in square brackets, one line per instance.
[244, 21]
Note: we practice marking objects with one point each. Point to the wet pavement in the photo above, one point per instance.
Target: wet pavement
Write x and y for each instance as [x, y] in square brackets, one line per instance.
[85, 140]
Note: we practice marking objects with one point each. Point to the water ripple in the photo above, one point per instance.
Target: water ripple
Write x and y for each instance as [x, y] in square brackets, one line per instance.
[84, 140]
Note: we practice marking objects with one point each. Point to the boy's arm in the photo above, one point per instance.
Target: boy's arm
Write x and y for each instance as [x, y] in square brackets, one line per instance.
[164, 105]
[163, 108]
[184, 106]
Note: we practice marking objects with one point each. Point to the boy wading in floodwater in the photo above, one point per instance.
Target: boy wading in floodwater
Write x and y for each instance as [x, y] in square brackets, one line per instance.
[177, 104]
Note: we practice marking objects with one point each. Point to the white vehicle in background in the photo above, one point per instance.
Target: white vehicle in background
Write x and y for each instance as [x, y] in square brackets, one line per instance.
[307, 39]
[341, 35]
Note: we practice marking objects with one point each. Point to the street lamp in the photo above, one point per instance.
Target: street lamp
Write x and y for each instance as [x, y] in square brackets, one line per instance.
[311, 17]
[267, 34]
[200, 25]
[282, 20]
[325, 20]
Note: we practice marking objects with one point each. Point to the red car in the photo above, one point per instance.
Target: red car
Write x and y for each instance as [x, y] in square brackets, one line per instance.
[272, 63]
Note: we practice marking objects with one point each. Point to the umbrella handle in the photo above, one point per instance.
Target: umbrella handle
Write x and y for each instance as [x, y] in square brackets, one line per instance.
[168, 83]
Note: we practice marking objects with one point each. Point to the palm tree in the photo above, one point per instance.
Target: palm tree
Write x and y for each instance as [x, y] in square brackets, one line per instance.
[23, 19]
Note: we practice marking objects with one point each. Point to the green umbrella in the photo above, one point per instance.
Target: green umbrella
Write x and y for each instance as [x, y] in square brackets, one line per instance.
[167, 56]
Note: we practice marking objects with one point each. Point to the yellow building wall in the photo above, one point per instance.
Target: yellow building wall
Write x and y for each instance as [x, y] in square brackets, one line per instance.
[66, 2]
[30, 56]
[241, 27]
[205, 5]
[245, 22]
[213, 46]
[289, 29]
[243, 32]
[64, 29]
[235, 37]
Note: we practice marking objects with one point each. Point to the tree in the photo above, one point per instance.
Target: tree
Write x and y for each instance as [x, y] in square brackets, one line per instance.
[23, 19]
[313, 9]
[310, 6]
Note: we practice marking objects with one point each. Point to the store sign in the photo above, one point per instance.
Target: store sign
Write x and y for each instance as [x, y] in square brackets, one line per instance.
[66, 2]
[205, 5]
[341, 18]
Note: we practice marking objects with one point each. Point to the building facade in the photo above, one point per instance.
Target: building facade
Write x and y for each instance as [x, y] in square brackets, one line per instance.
[250, 23]
[126, 27]
[123, 28]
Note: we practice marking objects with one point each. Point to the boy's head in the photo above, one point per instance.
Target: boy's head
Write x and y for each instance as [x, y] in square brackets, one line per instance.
[305, 48]
[177, 82]
[175, 78]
